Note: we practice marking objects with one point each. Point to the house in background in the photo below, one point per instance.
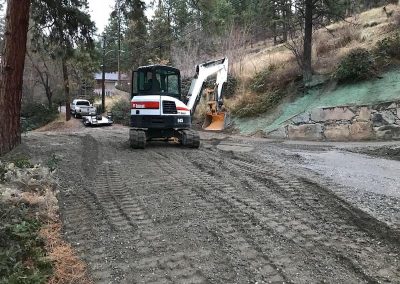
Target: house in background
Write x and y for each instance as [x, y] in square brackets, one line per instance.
[110, 82]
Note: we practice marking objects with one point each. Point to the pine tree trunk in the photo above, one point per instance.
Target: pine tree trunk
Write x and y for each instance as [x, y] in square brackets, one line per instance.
[66, 90]
[11, 77]
[307, 52]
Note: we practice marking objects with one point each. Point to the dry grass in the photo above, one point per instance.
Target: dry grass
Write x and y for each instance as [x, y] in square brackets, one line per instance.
[60, 124]
[256, 62]
[68, 268]
[36, 188]
[330, 44]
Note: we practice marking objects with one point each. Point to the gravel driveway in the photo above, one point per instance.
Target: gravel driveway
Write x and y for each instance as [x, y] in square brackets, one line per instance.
[237, 210]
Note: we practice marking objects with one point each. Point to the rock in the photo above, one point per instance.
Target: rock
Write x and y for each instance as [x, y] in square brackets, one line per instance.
[337, 113]
[392, 106]
[361, 131]
[365, 114]
[388, 132]
[398, 113]
[280, 133]
[337, 132]
[377, 120]
[388, 116]
[301, 118]
[10, 167]
[305, 131]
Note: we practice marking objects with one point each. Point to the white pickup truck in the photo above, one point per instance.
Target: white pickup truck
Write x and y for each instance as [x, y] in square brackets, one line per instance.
[80, 107]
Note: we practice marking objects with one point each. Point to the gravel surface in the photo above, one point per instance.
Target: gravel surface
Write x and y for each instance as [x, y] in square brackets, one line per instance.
[237, 210]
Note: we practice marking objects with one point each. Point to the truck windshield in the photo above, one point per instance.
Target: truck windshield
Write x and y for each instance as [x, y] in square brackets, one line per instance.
[82, 103]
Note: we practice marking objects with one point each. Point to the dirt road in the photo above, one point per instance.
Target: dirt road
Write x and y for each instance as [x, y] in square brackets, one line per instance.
[234, 211]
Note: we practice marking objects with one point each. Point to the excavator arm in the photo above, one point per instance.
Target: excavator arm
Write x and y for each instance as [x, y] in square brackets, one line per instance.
[216, 116]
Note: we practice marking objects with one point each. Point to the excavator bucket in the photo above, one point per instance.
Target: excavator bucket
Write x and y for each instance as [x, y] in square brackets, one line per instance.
[216, 121]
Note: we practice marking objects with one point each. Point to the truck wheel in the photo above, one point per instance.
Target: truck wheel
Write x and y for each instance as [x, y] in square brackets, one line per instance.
[190, 138]
[137, 139]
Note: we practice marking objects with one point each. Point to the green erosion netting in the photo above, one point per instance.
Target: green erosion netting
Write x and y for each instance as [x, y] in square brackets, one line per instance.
[362, 93]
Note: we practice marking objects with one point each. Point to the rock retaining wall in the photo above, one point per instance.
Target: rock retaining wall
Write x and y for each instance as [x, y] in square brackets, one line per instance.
[344, 123]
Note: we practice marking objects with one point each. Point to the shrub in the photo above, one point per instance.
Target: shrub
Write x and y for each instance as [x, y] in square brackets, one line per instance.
[259, 83]
[358, 65]
[35, 115]
[249, 107]
[3, 171]
[230, 87]
[121, 111]
[52, 162]
[22, 162]
[22, 255]
[389, 47]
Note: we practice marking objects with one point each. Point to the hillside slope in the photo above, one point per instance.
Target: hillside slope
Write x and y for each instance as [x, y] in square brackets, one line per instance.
[330, 46]
[364, 93]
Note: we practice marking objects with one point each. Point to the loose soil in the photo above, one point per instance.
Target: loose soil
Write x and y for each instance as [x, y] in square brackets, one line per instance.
[237, 210]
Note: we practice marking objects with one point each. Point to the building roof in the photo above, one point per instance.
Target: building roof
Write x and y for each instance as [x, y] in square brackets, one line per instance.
[111, 76]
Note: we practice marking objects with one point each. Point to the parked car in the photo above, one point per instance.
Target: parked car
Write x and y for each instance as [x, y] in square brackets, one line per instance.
[80, 107]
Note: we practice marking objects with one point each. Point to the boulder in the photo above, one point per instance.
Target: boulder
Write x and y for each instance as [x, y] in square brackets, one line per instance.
[388, 116]
[280, 133]
[361, 131]
[377, 120]
[337, 113]
[388, 132]
[337, 132]
[301, 118]
[364, 115]
[305, 132]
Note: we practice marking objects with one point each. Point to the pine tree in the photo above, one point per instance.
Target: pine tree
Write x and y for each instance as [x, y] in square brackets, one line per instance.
[12, 68]
[70, 24]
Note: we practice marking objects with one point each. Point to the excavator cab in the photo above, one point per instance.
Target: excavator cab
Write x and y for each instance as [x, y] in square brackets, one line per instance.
[156, 80]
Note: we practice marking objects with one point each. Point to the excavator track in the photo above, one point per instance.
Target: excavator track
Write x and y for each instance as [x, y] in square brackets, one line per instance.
[137, 138]
[190, 138]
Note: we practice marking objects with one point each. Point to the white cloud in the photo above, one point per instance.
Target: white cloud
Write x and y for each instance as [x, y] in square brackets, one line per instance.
[100, 12]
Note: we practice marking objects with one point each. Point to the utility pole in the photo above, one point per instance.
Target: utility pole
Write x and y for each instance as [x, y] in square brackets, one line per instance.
[103, 78]
[119, 39]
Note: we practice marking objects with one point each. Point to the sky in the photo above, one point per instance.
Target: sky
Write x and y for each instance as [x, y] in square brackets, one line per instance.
[100, 11]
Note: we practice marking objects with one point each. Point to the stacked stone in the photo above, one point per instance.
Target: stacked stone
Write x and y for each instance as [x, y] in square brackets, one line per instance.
[344, 123]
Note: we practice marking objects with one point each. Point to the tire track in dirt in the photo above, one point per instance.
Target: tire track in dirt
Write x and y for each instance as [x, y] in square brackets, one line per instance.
[233, 225]
[124, 246]
[173, 215]
[332, 219]
[305, 233]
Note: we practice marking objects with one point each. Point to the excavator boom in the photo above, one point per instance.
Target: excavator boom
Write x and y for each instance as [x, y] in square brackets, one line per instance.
[217, 118]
